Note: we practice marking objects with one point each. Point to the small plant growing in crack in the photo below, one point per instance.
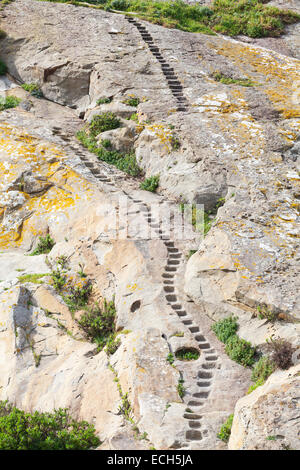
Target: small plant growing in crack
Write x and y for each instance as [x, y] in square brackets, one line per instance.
[81, 272]
[44, 246]
[225, 430]
[170, 358]
[33, 89]
[150, 184]
[180, 388]
[104, 100]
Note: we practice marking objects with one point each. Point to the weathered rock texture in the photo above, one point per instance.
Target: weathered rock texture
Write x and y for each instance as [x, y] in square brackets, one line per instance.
[268, 418]
[235, 143]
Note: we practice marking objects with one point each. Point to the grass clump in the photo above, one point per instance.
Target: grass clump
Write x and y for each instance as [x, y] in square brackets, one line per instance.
[33, 278]
[99, 326]
[44, 246]
[200, 219]
[232, 17]
[103, 122]
[150, 184]
[33, 89]
[225, 328]
[43, 431]
[219, 77]
[262, 369]
[225, 430]
[186, 354]
[3, 68]
[9, 102]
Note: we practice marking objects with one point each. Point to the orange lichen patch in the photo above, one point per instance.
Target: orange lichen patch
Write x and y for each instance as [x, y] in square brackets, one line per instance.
[44, 162]
[281, 75]
[163, 133]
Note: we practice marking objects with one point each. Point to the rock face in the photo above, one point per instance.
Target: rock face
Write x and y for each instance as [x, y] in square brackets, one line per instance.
[212, 144]
[268, 418]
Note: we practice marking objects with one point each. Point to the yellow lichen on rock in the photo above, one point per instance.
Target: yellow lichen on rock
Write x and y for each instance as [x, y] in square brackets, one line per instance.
[36, 184]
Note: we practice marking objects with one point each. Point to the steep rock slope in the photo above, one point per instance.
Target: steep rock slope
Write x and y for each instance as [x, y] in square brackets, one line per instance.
[235, 143]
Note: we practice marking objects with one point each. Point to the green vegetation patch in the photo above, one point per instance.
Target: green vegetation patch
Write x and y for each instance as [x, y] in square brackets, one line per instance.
[225, 430]
[231, 17]
[262, 369]
[9, 102]
[33, 278]
[103, 122]
[180, 388]
[219, 77]
[44, 431]
[225, 328]
[240, 351]
[99, 326]
[44, 246]
[187, 354]
[236, 348]
[124, 162]
[33, 89]
[150, 184]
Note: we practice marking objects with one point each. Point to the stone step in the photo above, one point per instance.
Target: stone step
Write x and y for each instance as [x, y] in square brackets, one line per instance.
[204, 345]
[193, 435]
[200, 338]
[202, 394]
[169, 289]
[171, 298]
[211, 358]
[181, 313]
[202, 374]
[192, 416]
[176, 307]
[204, 384]
[209, 365]
[194, 329]
[194, 403]
[194, 424]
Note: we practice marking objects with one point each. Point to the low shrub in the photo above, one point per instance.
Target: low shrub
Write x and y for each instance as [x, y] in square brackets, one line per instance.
[225, 328]
[262, 369]
[9, 102]
[43, 431]
[44, 246]
[240, 351]
[33, 89]
[281, 353]
[126, 163]
[150, 184]
[77, 295]
[133, 101]
[99, 326]
[103, 122]
[225, 430]
[103, 101]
